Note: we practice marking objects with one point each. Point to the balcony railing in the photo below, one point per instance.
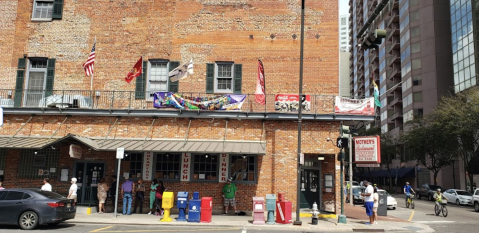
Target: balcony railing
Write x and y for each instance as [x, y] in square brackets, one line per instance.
[132, 100]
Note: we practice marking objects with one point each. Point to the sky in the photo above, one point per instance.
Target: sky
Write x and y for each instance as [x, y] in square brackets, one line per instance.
[343, 7]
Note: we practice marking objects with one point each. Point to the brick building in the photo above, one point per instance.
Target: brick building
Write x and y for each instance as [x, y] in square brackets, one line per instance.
[49, 104]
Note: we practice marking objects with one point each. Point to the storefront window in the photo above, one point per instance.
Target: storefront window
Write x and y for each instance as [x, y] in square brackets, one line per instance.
[205, 167]
[136, 163]
[168, 166]
[39, 164]
[243, 168]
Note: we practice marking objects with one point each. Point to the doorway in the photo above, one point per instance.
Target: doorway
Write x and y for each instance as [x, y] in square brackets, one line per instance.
[88, 176]
[310, 183]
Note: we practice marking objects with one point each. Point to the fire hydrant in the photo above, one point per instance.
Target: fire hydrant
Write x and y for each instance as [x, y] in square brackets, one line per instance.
[315, 214]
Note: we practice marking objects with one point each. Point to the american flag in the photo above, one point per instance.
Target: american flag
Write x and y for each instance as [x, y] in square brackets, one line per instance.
[88, 65]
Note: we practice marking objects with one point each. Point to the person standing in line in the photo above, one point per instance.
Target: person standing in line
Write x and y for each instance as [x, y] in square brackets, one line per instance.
[126, 193]
[369, 201]
[72, 193]
[102, 189]
[375, 206]
[46, 186]
[159, 198]
[140, 195]
[112, 191]
[229, 190]
[153, 186]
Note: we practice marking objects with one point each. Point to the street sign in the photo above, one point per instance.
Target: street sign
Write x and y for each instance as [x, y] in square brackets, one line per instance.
[120, 153]
[368, 165]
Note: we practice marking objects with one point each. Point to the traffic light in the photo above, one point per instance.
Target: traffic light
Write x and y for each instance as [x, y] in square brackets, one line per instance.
[373, 39]
[342, 141]
[344, 131]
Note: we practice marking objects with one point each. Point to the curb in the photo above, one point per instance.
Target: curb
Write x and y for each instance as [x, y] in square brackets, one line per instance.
[309, 215]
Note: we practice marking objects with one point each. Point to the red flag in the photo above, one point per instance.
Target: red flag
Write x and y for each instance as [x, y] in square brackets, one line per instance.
[136, 71]
[260, 88]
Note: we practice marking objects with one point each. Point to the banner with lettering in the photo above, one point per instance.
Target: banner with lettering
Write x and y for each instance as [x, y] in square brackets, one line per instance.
[345, 105]
[185, 167]
[224, 162]
[218, 102]
[147, 166]
[290, 103]
[367, 149]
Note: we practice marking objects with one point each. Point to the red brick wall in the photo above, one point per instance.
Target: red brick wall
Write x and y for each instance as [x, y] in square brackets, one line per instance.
[276, 169]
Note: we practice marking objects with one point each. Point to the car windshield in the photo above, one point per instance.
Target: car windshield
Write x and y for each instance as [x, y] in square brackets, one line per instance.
[382, 192]
[464, 193]
[356, 191]
[355, 183]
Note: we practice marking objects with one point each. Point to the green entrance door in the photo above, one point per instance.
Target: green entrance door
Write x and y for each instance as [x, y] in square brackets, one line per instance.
[310, 192]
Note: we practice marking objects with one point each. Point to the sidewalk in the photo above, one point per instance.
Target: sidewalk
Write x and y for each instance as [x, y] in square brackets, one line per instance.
[356, 217]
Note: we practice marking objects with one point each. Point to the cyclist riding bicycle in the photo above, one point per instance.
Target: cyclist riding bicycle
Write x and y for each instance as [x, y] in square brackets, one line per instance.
[438, 197]
[408, 189]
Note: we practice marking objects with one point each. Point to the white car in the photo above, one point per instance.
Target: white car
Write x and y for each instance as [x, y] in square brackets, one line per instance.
[392, 203]
[475, 200]
[460, 197]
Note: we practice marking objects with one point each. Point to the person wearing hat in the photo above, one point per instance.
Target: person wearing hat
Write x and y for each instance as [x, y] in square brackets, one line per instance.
[229, 190]
[438, 197]
[369, 201]
[407, 190]
[72, 193]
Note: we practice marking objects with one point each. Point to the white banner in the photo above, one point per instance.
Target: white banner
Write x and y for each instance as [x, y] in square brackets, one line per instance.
[148, 166]
[354, 106]
[185, 166]
[367, 149]
[224, 160]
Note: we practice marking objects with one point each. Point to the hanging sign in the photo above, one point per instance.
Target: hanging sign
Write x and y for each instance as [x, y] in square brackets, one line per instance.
[354, 106]
[218, 102]
[290, 103]
[147, 165]
[75, 151]
[367, 149]
[185, 167]
[224, 160]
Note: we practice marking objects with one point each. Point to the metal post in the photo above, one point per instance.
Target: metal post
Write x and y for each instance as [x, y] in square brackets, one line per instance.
[342, 217]
[351, 200]
[300, 110]
[117, 185]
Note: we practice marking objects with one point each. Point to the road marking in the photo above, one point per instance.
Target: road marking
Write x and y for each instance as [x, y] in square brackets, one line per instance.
[434, 222]
[104, 228]
[182, 230]
[412, 215]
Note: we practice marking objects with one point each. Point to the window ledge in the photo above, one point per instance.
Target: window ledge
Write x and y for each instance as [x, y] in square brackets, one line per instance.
[42, 20]
[223, 92]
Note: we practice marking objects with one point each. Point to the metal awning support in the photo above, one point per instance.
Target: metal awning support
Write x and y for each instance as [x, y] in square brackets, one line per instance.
[111, 128]
[226, 130]
[151, 127]
[19, 130]
[58, 128]
[187, 133]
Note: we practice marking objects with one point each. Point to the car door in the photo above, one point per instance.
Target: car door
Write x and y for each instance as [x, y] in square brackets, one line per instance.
[10, 206]
[448, 195]
[3, 211]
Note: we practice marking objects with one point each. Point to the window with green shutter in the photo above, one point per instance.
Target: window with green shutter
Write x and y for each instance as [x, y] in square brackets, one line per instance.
[57, 9]
[224, 77]
[141, 83]
[19, 83]
[210, 78]
[46, 10]
[3, 155]
[38, 164]
[50, 77]
[238, 73]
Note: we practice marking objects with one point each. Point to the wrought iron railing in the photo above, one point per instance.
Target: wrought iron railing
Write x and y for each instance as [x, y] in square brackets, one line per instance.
[28, 98]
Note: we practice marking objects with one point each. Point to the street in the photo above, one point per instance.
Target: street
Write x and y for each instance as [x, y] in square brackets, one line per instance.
[459, 218]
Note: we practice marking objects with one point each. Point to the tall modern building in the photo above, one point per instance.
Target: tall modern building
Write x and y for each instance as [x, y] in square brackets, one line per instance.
[344, 37]
[413, 66]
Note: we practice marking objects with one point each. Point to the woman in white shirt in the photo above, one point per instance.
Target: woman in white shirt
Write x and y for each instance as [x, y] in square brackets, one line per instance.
[72, 193]
[375, 206]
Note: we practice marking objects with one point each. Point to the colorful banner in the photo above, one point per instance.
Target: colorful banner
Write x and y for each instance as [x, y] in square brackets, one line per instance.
[290, 103]
[219, 102]
[354, 106]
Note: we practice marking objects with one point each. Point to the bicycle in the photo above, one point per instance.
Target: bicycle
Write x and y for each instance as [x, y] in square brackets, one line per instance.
[440, 209]
[409, 201]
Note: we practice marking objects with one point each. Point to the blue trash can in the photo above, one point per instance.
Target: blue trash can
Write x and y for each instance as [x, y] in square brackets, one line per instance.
[194, 208]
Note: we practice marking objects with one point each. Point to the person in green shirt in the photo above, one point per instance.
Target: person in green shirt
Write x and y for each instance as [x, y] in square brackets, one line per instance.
[229, 190]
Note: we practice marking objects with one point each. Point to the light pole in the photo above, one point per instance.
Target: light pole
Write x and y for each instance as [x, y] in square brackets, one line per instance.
[298, 188]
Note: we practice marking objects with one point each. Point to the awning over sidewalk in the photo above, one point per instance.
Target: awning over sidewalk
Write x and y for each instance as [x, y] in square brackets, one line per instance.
[401, 172]
[156, 145]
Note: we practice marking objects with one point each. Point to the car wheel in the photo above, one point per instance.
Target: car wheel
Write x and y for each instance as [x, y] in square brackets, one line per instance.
[394, 208]
[28, 220]
[457, 202]
[476, 206]
[429, 197]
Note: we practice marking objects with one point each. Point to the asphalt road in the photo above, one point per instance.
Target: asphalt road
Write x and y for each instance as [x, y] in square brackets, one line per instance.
[459, 219]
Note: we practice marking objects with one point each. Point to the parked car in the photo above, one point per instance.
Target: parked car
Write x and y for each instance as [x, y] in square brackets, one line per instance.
[475, 200]
[427, 190]
[391, 202]
[28, 208]
[354, 183]
[357, 198]
[460, 197]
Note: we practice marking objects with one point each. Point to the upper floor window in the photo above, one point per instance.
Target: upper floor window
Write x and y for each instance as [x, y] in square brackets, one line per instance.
[36, 80]
[158, 76]
[223, 77]
[46, 10]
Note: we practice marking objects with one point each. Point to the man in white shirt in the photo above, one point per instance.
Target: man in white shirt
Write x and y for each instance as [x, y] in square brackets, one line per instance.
[369, 201]
[46, 186]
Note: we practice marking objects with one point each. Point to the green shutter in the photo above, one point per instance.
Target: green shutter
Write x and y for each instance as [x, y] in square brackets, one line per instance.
[50, 77]
[210, 78]
[238, 69]
[173, 86]
[19, 89]
[22, 62]
[141, 83]
[57, 9]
